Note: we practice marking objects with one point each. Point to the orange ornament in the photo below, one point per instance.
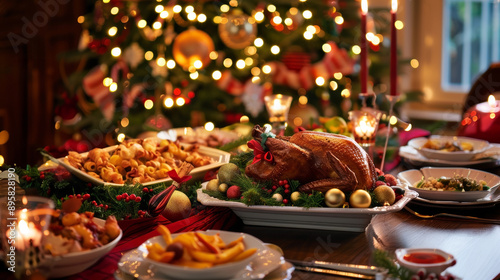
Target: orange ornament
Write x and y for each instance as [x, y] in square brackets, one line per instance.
[192, 45]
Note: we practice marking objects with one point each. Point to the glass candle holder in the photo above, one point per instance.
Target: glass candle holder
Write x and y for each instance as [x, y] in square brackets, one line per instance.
[364, 125]
[277, 106]
[24, 224]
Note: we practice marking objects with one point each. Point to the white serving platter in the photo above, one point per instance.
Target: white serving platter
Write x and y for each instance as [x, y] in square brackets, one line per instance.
[323, 218]
[413, 176]
[219, 157]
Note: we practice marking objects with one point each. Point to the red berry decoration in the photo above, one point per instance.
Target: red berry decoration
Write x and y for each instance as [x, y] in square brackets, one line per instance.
[119, 197]
[280, 182]
[106, 207]
[132, 196]
[127, 199]
[287, 186]
[379, 183]
[146, 190]
[274, 188]
[233, 192]
[285, 201]
[390, 180]
[42, 175]
[286, 191]
[138, 199]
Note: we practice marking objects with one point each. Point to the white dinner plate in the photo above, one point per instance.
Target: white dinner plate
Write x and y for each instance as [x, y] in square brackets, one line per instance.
[489, 158]
[323, 218]
[478, 147]
[451, 198]
[268, 260]
[218, 156]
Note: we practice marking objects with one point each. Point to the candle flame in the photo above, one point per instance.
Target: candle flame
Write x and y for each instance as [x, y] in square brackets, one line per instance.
[23, 227]
[364, 6]
[492, 101]
[394, 6]
[277, 103]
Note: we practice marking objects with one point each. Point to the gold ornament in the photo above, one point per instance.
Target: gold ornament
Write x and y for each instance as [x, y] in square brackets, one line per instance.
[237, 30]
[295, 196]
[384, 195]
[334, 198]
[360, 199]
[192, 45]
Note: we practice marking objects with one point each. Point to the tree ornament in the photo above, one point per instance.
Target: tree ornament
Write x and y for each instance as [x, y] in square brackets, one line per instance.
[192, 45]
[237, 30]
[385, 195]
[360, 199]
[334, 198]
[133, 55]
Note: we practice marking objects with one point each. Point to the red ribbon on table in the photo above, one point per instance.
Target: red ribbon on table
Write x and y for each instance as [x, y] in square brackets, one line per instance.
[258, 152]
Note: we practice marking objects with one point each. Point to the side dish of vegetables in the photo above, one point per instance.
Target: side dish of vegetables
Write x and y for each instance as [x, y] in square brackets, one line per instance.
[458, 183]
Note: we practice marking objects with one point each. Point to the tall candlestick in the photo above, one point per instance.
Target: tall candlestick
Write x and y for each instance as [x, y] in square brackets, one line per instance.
[363, 56]
[394, 50]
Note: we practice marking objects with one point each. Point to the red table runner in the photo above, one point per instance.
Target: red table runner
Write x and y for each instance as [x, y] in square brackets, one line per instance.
[137, 231]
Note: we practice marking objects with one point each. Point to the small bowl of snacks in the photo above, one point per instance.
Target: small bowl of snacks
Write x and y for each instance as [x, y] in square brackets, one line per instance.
[212, 254]
[432, 260]
[77, 241]
[450, 148]
[450, 184]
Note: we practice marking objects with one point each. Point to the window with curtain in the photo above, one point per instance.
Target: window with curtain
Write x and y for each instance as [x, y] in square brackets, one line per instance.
[471, 41]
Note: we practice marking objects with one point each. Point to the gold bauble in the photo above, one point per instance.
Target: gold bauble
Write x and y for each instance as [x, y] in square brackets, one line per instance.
[360, 199]
[295, 196]
[178, 207]
[385, 195]
[334, 198]
[192, 45]
[237, 30]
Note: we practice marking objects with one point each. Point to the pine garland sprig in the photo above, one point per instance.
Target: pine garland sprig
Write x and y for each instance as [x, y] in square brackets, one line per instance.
[315, 199]
[383, 259]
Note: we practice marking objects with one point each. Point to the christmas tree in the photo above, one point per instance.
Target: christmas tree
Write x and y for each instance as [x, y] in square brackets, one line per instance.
[153, 65]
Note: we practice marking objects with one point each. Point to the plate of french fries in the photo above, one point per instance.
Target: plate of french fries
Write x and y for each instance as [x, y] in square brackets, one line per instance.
[212, 254]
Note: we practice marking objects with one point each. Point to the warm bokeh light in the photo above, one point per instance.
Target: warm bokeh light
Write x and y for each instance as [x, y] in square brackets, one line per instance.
[125, 122]
[161, 61]
[339, 20]
[303, 100]
[114, 10]
[399, 25]
[194, 75]
[240, 64]
[202, 18]
[271, 8]
[2, 160]
[171, 64]
[266, 69]
[198, 64]
[345, 93]
[320, 81]
[169, 102]
[120, 137]
[258, 42]
[308, 35]
[334, 85]
[148, 104]
[356, 49]
[275, 49]
[224, 8]
[159, 8]
[180, 101]
[244, 119]
[112, 31]
[113, 87]
[259, 16]
[149, 55]
[414, 63]
[107, 81]
[227, 62]
[156, 25]
[307, 14]
[326, 48]
[142, 23]
[216, 75]
[209, 126]
[338, 75]
[177, 9]
[189, 9]
[116, 51]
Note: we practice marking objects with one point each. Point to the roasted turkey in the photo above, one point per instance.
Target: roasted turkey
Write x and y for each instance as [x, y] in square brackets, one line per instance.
[319, 161]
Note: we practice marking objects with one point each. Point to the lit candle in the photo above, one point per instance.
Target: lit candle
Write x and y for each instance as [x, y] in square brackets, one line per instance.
[363, 43]
[394, 50]
[492, 102]
[27, 235]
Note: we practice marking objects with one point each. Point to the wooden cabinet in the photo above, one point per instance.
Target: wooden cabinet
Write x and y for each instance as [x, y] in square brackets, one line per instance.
[32, 34]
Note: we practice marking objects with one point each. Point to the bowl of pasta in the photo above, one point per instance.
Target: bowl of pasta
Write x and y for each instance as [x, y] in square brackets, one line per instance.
[77, 241]
[145, 161]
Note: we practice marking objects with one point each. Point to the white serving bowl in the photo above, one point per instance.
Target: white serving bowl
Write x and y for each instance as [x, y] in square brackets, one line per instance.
[479, 146]
[222, 271]
[76, 262]
[413, 176]
[437, 268]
